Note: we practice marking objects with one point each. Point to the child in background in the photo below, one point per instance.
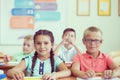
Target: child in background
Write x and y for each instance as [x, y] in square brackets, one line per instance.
[44, 63]
[67, 47]
[28, 48]
[94, 61]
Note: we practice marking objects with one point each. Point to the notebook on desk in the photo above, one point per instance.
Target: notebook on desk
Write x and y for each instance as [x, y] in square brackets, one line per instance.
[98, 78]
[32, 78]
[13, 63]
[2, 63]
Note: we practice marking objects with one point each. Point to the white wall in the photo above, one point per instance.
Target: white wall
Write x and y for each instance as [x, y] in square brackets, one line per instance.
[110, 25]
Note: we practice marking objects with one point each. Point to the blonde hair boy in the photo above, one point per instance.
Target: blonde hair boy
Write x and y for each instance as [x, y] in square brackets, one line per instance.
[28, 48]
[94, 62]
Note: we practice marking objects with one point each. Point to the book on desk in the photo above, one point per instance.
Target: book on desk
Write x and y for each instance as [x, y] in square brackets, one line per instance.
[33, 78]
[98, 78]
[3, 77]
[2, 63]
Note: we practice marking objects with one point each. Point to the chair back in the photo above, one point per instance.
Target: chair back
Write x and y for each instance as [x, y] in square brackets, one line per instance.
[116, 56]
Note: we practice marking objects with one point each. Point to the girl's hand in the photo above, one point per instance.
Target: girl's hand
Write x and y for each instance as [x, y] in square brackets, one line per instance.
[18, 75]
[89, 74]
[108, 74]
[49, 76]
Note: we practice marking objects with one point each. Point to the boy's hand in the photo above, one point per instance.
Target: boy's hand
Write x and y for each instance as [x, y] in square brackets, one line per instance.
[108, 74]
[65, 39]
[71, 41]
[89, 74]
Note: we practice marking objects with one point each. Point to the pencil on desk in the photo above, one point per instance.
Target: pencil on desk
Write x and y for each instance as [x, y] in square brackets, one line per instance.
[99, 74]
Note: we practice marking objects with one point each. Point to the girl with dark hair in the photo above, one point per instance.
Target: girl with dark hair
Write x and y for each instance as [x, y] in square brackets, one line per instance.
[43, 63]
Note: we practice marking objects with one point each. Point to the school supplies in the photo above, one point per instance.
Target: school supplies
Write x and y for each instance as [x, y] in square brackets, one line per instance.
[2, 63]
[2, 75]
[32, 78]
[98, 78]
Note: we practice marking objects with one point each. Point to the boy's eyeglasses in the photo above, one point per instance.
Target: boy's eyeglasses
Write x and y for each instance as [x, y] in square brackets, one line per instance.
[96, 41]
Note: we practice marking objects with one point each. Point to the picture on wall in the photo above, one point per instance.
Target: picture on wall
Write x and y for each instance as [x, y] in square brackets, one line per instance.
[104, 7]
[119, 7]
[83, 7]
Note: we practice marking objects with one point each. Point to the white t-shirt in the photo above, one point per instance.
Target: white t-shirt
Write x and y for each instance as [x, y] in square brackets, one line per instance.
[65, 54]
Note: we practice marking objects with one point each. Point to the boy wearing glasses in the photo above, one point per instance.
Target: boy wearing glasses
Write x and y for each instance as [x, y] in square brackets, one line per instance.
[93, 62]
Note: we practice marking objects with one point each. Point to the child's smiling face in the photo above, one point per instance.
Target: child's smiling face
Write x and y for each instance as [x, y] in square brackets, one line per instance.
[43, 44]
[28, 46]
[92, 41]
